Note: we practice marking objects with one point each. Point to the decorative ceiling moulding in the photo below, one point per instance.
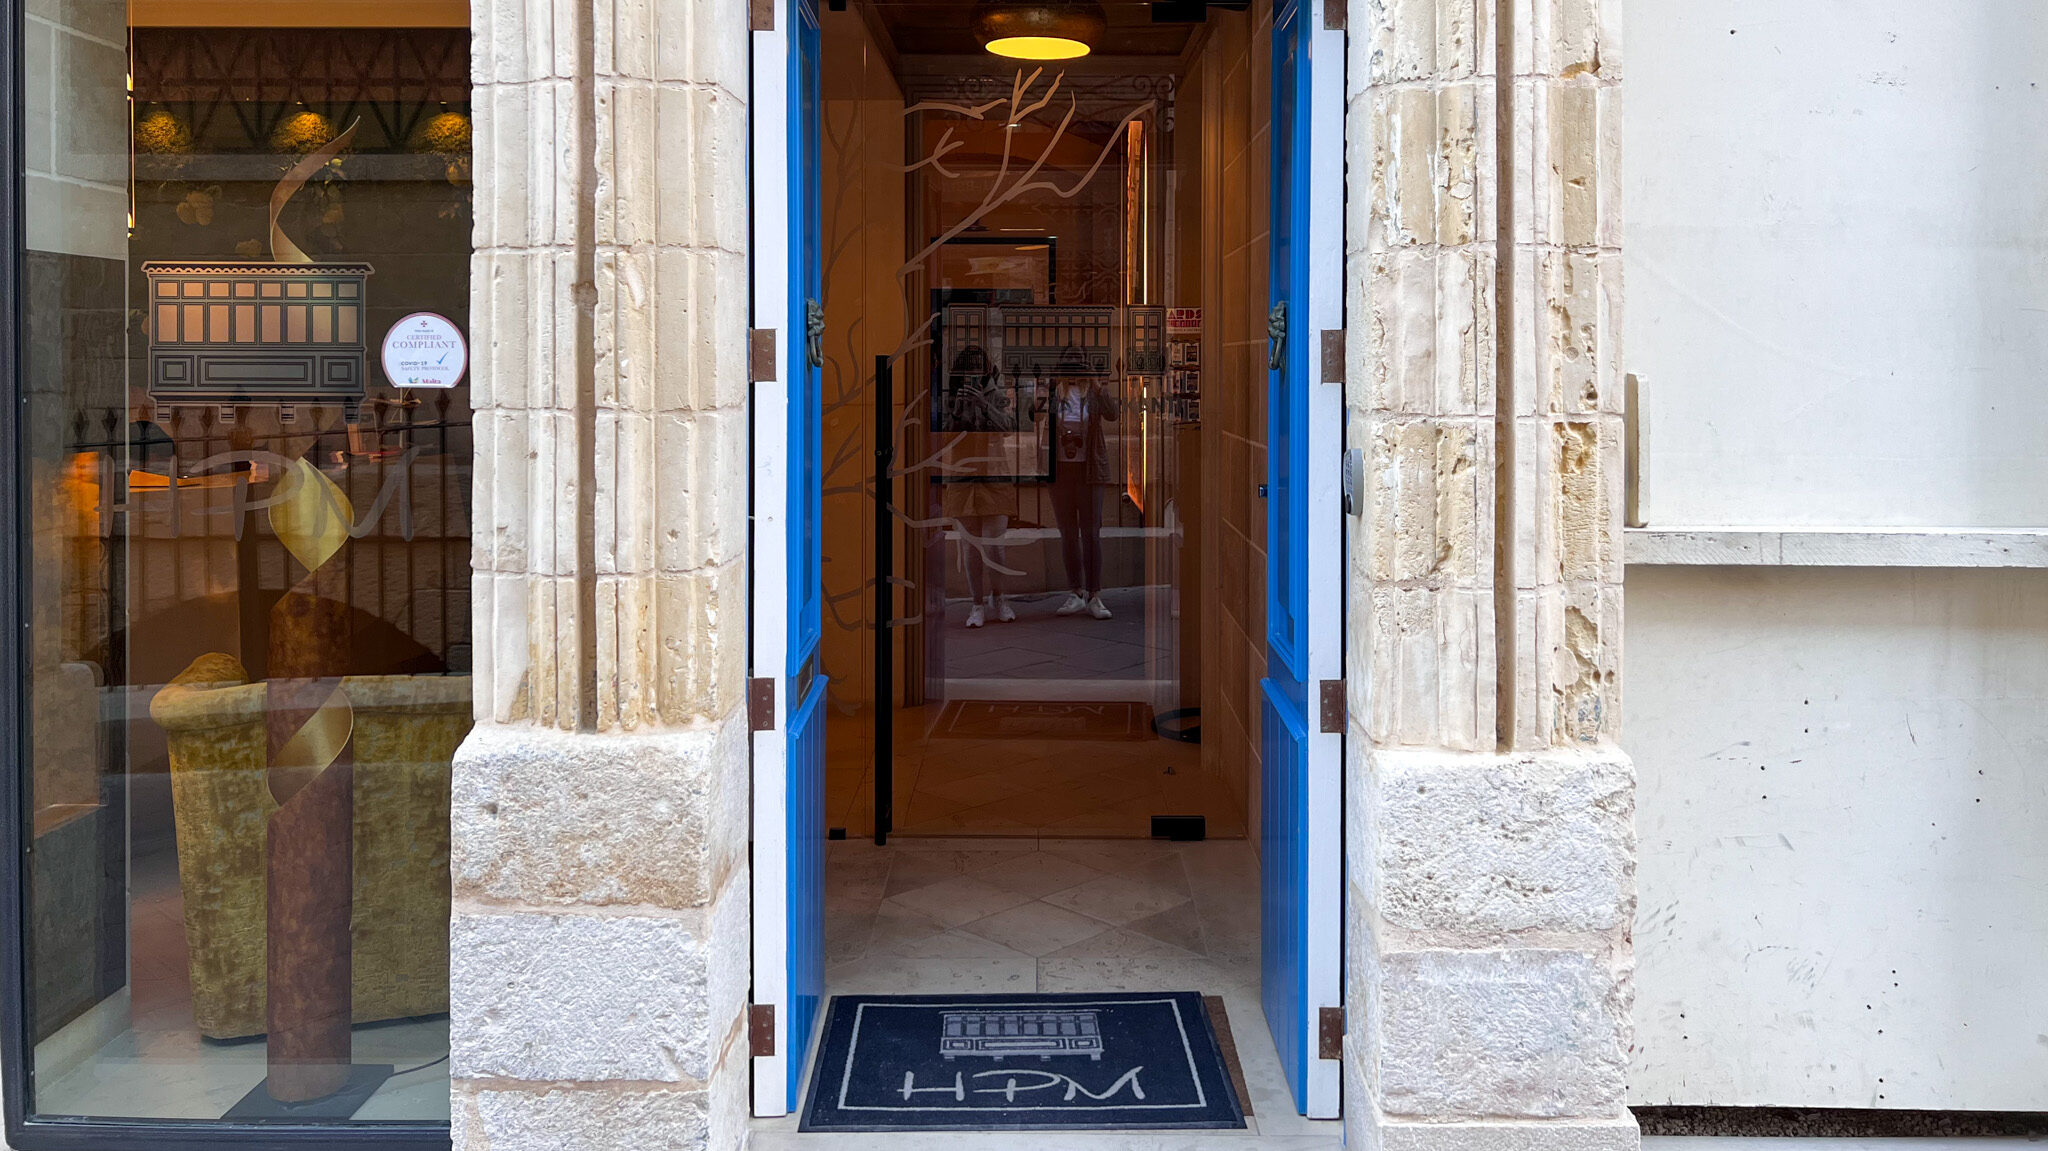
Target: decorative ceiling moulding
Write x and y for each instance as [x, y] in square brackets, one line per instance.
[232, 66]
[230, 89]
[298, 13]
[1103, 90]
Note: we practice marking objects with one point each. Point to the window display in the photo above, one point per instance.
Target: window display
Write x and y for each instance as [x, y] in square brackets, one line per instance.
[246, 560]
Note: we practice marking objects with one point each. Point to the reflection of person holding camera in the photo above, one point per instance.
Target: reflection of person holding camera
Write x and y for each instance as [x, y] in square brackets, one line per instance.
[1080, 402]
[976, 402]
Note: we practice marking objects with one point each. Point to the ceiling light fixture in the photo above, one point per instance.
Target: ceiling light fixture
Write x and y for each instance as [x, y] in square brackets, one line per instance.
[1040, 30]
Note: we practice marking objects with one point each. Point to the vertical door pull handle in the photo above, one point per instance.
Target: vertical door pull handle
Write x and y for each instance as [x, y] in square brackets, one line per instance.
[814, 332]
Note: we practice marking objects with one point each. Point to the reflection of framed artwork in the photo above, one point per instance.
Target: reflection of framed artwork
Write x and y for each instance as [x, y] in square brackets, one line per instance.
[1004, 264]
[983, 419]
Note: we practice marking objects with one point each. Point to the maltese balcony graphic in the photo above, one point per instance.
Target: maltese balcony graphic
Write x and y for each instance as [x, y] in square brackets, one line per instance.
[1000, 1034]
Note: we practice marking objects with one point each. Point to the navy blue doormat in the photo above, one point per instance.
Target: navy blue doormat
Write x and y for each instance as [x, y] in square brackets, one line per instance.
[1128, 1060]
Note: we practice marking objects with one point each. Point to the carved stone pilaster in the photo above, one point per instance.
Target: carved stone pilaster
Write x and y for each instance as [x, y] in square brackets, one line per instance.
[599, 943]
[1491, 855]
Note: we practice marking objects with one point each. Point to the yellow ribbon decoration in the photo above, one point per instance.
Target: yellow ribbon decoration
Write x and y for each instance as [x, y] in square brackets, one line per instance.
[282, 250]
[312, 514]
[318, 742]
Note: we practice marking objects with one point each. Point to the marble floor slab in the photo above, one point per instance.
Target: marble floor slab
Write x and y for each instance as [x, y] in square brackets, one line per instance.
[934, 915]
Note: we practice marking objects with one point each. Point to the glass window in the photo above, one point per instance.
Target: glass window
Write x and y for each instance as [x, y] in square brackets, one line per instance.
[245, 443]
[1045, 294]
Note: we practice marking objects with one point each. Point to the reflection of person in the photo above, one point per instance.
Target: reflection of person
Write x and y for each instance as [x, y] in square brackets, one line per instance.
[1080, 403]
[976, 402]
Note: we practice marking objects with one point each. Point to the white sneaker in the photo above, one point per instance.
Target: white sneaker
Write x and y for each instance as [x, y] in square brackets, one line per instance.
[974, 616]
[1073, 605]
[1003, 612]
[1097, 608]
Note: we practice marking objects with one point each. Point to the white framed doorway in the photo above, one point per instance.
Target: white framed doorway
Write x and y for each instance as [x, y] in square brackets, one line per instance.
[1307, 884]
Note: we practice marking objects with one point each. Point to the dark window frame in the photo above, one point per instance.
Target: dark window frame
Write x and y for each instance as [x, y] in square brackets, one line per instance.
[26, 1131]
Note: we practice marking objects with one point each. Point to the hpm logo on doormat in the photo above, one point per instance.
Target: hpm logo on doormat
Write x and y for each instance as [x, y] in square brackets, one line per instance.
[1020, 1062]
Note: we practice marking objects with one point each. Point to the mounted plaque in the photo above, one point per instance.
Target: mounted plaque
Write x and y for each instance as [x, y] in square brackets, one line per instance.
[257, 333]
[290, 331]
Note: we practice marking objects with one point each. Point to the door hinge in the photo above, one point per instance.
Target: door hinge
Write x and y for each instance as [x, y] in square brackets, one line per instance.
[761, 1029]
[1333, 355]
[1333, 707]
[760, 355]
[1333, 15]
[761, 15]
[761, 704]
[1329, 1032]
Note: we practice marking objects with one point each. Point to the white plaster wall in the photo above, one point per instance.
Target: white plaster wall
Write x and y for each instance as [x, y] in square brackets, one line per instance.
[1837, 263]
[1843, 819]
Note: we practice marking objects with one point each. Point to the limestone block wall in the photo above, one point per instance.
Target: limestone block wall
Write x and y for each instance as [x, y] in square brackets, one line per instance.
[599, 942]
[1490, 847]
[600, 808]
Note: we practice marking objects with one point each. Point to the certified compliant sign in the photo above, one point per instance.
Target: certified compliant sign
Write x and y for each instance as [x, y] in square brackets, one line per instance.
[424, 350]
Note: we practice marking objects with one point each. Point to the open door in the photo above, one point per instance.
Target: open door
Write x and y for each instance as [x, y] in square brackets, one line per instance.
[789, 755]
[1302, 801]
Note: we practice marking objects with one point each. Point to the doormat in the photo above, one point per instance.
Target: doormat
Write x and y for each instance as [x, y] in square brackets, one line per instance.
[1121, 1060]
[1044, 719]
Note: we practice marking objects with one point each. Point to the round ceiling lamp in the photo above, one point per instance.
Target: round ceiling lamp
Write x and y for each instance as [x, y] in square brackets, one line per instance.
[1040, 30]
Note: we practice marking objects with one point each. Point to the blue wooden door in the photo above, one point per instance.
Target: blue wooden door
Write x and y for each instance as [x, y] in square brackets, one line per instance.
[1299, 764]
[805, 684]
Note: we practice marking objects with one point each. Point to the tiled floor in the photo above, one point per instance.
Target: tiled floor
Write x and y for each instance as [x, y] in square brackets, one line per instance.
[1019, 786]
[1041, 644]
[944, 915]
[150, 1062]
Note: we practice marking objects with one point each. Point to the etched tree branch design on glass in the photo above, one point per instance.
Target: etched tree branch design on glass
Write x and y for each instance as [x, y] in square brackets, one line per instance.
[849, 378]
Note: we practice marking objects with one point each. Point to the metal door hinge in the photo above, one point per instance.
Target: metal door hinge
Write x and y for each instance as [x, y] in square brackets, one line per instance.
[761, 1029]
[761, 15]
[1333, 355]
[760, 354]
[1333, 15]
[1329, 1033]
[761, 704]
[1333, 706]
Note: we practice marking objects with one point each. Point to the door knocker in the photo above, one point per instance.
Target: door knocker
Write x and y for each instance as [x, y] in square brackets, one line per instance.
[814, 333]
[1276, 336]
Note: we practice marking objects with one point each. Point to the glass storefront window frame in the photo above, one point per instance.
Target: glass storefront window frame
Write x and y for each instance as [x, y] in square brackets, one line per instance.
[25, 1130]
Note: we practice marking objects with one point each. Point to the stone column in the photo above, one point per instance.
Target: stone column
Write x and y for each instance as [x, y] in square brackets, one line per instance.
[1491, 887]
[599, 941]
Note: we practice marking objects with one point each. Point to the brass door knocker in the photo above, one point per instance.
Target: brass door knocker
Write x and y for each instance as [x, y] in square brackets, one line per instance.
[814, 332]
[1276, 336]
